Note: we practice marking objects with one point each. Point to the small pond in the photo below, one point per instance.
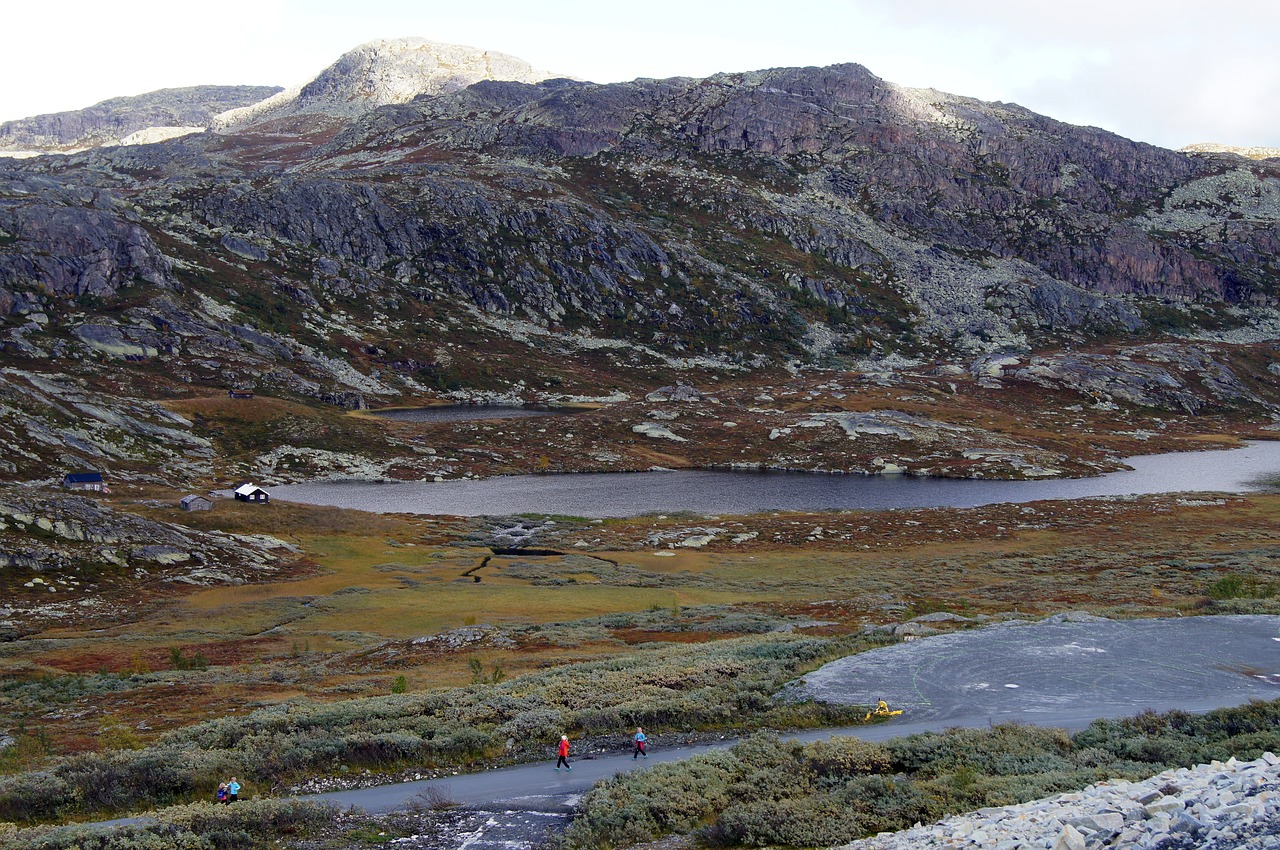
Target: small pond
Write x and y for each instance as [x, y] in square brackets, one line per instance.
[722, 492]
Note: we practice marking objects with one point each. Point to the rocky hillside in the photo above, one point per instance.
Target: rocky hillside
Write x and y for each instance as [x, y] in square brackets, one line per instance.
[116, 119]
[563, 240]
[382, 72]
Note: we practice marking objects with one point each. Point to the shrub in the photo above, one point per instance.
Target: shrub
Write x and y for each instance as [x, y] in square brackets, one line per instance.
[34, 796]
[766, 792]
[248, 825]
[729, 684]
[847, 757]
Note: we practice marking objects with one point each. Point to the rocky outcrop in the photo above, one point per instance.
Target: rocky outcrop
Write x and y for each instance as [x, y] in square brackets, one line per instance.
[74, 242]
[110, 121]
[383, 72]
[83, 530]
[1218, 806]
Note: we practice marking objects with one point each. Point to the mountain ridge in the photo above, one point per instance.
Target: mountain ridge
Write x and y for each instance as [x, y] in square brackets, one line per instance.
[111, 120]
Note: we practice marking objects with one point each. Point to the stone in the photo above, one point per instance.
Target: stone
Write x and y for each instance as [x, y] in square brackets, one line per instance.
[1163, 805]
[1069, 839]
[1107, 822]
[653, 429]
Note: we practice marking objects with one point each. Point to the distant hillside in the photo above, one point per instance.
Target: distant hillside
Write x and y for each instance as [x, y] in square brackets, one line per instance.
[382, 72]
[1254, 152]
[112, 120]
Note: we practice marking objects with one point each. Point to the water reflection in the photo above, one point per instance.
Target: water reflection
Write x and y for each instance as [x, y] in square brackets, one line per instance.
[715, 492]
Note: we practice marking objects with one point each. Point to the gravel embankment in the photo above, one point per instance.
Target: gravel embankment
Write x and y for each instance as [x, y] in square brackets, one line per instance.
[1217, 806]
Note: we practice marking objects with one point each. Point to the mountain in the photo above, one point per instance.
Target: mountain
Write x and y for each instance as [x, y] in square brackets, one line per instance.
[112, 120]
[382, 72]
[573, 240]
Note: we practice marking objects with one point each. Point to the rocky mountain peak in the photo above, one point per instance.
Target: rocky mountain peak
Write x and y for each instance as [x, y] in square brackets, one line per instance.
[382, 72]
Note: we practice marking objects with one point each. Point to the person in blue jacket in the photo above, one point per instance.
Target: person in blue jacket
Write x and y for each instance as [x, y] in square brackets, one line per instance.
[640, 741]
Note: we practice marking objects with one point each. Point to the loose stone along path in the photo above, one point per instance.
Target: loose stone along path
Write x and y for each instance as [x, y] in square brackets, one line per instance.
[1220, 806]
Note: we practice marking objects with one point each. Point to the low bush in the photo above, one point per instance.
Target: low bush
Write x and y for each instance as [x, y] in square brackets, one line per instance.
[767, 792]
[248, 825]
[731, 684]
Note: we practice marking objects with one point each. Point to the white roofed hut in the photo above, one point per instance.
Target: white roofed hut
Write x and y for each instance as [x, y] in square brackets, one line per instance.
[251, 493]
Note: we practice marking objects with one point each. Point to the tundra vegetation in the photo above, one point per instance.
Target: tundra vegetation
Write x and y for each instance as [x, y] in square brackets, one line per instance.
[377, 655]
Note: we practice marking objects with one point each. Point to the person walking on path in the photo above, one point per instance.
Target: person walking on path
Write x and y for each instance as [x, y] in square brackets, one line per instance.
[640, 741]
[233, 790]
[221, 796]
[563, 752]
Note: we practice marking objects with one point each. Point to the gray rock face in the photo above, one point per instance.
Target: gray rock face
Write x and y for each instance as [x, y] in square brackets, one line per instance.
[75, 249]
[111, 120]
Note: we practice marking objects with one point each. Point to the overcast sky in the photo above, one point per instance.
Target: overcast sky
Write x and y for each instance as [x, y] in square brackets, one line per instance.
[1171, 73]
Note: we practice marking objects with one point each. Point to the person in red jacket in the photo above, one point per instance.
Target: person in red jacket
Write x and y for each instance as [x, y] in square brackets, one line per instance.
[563, 752]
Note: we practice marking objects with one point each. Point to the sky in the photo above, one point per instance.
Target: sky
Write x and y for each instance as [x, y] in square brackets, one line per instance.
[1170, 73]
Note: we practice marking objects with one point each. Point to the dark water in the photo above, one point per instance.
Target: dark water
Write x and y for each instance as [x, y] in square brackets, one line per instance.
[465, 412]
[706, 492]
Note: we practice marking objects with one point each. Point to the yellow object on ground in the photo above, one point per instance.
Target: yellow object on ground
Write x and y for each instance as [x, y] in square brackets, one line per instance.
[881, 710]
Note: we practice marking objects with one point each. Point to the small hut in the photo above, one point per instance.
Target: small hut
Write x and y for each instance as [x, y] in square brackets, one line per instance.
[84, 481]
[240, 393]
[196, 503]
[251, 493]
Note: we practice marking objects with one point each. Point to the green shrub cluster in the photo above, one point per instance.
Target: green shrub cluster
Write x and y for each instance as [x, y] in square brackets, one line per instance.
[768, 792]
[1237, 586]
[728, 684]
[248, 825]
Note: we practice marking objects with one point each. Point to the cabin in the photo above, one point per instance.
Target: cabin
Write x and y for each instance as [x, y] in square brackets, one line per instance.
[196, 503]
[240, 393]
[251, 493]
[84, 481]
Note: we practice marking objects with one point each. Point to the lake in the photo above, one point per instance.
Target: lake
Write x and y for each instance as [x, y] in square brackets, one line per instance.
[466, 412]
[724, 492]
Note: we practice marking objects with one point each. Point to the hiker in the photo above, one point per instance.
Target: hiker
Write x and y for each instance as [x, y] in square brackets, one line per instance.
[221, 796]
[640, 740]
[563, 752]
[233, 790]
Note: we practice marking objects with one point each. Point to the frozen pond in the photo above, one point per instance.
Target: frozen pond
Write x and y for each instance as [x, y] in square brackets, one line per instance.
[715, 492]
[1045, 672]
